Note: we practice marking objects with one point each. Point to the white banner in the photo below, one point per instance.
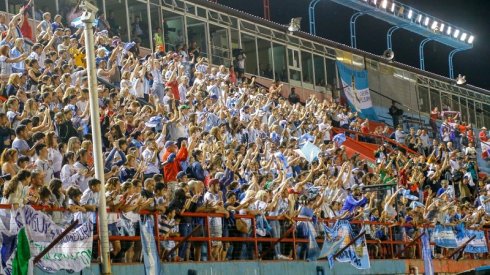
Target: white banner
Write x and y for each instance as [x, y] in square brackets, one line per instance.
[73, 252]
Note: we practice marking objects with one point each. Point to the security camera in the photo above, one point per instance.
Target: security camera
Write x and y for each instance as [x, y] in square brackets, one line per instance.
[87, 6]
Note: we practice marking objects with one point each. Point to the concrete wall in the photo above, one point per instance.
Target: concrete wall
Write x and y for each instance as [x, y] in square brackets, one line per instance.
[289, 268]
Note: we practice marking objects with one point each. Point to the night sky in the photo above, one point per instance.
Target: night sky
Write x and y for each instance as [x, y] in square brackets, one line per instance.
[333, 23]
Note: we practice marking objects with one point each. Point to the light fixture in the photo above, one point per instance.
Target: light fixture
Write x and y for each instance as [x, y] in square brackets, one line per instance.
[389, 54]
[456, 33]
[463, 36]
[449, 29]
[441, 27]
[384, 4]
[375, 2]
[419, 18]
[471, 39]
[410, 14]
[393, 6]
[461, 79]
[434, 25]
[294, 25]
[426, 21]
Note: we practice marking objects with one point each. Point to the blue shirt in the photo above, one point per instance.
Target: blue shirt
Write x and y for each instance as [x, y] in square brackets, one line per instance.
[351, 204]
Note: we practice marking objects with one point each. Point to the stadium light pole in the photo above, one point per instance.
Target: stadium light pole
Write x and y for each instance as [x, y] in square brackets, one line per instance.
[88, 18]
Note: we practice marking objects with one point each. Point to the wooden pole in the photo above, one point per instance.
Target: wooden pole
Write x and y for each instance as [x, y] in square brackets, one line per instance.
[408, 245]
[349, 244]
[55, 241]
[165, 253]
[461, 247]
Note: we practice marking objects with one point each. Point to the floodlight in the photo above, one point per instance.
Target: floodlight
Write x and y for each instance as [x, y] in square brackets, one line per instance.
[419, 18]
[441, 27]
[461, 79]
[456, 33]
[463, 36]
[471, 39]
[449, 29]
[294, 25]
[434, 25]
[426, 21]
[384, 4]
[410, 14]
[389, 54]
[393, 7]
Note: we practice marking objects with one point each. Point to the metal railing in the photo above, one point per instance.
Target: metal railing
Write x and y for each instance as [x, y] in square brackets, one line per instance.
[394, 245]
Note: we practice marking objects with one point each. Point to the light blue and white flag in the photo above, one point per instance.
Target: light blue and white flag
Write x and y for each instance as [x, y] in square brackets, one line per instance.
[339, 139]
[337, 238]
[309, 151]
[478, 244]
[358, 95]
[427, 254]
[77, 23]
[149, 249]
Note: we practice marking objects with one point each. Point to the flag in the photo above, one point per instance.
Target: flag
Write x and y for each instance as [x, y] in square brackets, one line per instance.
[21, 265]
[339, 139]
[149, 249]
[427, 254]
[309, 151]
[356, 90]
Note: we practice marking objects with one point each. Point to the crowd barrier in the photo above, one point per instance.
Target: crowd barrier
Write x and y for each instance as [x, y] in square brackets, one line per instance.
[395, 247]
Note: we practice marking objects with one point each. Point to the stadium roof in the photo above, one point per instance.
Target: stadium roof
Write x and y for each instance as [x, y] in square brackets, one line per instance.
[321, 40]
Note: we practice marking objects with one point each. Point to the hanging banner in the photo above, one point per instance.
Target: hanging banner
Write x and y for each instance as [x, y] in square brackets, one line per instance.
[358, 95]
[478, 244]
[337, 238]
[149, 249]
[73, 253]
[427, 254]
[445, 236]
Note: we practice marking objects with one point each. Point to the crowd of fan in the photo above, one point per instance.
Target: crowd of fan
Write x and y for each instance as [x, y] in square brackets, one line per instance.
[180, 135]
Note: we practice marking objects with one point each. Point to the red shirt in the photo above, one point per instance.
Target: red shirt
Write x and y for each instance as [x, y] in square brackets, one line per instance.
[483, 136]
[170, 170]
[174, 85]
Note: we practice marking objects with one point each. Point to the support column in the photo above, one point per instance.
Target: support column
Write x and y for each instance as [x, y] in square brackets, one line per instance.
[311, 16]
[450, 60]
[353, 19]
[88, 18]
[421, 52]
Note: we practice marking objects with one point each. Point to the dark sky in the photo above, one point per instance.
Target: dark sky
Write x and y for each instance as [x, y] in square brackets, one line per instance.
[333, 23]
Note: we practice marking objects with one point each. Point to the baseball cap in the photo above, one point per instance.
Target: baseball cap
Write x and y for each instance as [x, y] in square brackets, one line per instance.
[169, 143]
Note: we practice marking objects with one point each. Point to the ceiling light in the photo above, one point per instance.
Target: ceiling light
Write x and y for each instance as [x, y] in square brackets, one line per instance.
[449, 29]
[441, 27]
[419, 18]
[471, 39]
[384, 4]
[434, 25]
[456, 33]
[463, 36]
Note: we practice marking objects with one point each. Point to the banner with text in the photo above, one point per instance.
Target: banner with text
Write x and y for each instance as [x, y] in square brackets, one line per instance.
[356, 90]
[336, 238]
[73, 253]
[448, 237]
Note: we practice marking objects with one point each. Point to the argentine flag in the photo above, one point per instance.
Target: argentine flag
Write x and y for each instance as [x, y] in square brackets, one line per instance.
[77, 23]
